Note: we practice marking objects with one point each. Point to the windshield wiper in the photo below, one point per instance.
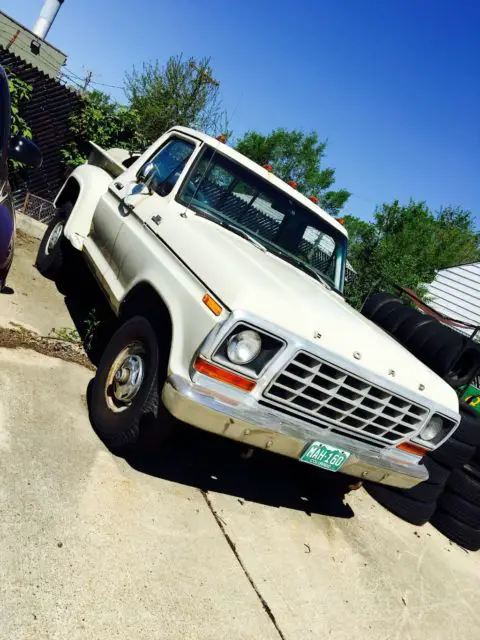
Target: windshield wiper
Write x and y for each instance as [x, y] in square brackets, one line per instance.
[242, 233]
[306, 267]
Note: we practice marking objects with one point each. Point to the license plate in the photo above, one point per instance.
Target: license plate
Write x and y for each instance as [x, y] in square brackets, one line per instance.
[324, 456]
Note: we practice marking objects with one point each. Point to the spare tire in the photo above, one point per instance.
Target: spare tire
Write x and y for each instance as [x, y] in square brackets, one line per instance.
[457, 531]
[465, 482]
[404, 507]
[460, 508]
[453, 453]
[374, 303]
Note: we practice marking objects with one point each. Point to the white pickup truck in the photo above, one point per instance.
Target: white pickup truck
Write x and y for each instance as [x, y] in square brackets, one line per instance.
[228, 284]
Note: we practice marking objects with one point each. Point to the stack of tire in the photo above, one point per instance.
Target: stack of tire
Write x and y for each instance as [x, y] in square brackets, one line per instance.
[450, 354]
[450, 498]
[458, 512]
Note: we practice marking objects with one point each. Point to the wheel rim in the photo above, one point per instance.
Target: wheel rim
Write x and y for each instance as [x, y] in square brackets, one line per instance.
[54, 238]
[125, 377]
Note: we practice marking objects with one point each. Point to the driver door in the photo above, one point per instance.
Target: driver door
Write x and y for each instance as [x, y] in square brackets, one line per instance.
[116, 208]
[148, 203]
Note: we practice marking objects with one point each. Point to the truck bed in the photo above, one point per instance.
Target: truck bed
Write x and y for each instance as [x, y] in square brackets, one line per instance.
[110, 160]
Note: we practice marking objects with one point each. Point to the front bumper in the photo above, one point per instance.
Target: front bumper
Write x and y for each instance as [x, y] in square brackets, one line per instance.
[216, 407]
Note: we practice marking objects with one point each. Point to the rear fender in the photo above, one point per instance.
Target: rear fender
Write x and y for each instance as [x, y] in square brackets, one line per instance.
[93, 183]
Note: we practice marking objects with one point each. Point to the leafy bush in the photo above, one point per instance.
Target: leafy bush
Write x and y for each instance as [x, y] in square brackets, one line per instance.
[104, 122]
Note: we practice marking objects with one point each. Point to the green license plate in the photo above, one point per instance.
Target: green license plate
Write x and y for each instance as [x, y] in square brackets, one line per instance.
[324, 456]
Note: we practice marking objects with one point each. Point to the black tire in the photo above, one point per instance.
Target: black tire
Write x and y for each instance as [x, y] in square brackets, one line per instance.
[393, 316]
[437, 347]
[460, 509]
[118, 424]
[384, 311]
[468, 431]
[50, 258]
[412, 511]
[476, 457]
[408, 328]
[397, 318]
[465, 482]
[431, 489]
[374, 303]
[456, 531]
[453, 454]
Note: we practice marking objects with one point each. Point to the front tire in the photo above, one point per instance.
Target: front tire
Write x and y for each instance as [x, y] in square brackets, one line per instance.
[125, 392]
[51, 253]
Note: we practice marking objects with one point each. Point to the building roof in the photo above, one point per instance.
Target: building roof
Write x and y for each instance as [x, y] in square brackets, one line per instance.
[21, 41]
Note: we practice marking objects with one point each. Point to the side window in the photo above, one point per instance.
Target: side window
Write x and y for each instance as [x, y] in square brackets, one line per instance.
[166, 167]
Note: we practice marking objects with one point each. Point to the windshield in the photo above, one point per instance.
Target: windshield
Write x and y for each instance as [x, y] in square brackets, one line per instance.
[230, 193]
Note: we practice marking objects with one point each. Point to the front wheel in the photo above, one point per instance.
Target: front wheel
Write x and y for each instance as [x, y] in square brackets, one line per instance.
[125, 391]
[51, 253]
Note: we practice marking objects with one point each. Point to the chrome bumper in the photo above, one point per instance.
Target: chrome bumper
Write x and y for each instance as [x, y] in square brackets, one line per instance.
[216, 407]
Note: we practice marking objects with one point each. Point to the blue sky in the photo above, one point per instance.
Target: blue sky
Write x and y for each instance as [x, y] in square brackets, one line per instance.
[392, 84]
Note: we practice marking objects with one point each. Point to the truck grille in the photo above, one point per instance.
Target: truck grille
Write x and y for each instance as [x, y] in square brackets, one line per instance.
[319, 391]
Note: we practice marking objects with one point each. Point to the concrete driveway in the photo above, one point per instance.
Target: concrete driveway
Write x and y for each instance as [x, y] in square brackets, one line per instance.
[192, 541]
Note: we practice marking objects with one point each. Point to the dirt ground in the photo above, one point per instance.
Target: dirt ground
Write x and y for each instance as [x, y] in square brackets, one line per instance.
[192, 540]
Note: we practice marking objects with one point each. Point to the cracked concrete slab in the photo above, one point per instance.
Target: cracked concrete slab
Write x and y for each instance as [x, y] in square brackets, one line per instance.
[90, 547]
[371, 576]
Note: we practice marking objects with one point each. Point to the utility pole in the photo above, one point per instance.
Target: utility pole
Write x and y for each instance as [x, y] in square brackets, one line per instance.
[203, 74]
[202, 78]
[88, 80]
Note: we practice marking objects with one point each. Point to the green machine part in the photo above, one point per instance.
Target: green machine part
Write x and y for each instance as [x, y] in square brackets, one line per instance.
[471, 395]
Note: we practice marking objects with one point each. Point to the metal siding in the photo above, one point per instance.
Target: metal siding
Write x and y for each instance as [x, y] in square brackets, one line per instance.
[47, 112]
[455, 292]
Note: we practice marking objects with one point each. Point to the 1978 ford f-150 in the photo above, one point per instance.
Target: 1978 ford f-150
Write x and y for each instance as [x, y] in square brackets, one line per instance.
[228, 283]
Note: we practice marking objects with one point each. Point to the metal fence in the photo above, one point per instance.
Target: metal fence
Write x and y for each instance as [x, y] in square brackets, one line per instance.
[38, 208]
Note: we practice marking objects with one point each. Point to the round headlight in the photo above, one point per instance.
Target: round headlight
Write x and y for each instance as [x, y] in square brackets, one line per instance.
[432, 429]
[244, 347]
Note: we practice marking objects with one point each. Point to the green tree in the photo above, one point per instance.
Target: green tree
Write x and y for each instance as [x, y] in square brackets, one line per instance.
[20, 92]
[182, 92]
[406, 245]
[296, 156]
[104, 122]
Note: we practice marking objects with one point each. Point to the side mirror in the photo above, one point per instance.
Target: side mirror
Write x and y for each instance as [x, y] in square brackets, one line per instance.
[24, 150]
[147, 174]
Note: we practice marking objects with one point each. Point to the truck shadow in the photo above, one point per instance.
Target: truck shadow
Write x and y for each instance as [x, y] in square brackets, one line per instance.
[211, 463]
[203, 460]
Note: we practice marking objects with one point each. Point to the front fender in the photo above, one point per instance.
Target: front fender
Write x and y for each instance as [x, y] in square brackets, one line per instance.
[93, 183]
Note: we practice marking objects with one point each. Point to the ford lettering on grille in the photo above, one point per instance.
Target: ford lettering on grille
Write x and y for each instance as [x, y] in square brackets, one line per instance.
[325, 394]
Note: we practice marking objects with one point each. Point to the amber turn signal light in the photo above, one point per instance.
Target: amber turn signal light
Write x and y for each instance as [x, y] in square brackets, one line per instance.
[415, 449]
[218, 373]
[212, 304]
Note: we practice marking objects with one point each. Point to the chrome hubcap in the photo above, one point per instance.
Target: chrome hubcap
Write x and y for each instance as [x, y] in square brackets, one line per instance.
[54, 237]
[128, 379]
[125, 377]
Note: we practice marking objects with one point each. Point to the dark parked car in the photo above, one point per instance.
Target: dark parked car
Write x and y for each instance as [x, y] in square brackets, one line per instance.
[17, 148]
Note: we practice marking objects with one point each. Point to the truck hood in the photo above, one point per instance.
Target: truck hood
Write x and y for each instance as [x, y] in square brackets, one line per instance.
[246, 278]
